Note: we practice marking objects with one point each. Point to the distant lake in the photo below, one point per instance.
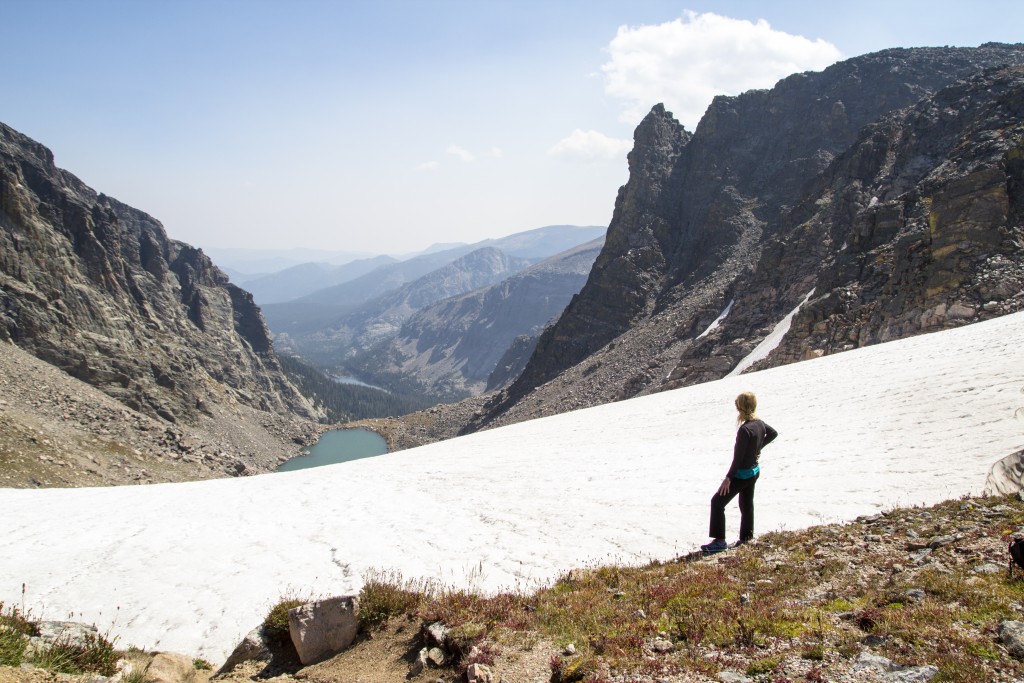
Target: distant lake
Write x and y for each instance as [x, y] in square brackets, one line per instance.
[345, 379]
[338, 445]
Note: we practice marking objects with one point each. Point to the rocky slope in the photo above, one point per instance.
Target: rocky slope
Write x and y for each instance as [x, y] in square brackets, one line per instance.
[96, 289]
[451, 348]
[885, 188]
[57, 431]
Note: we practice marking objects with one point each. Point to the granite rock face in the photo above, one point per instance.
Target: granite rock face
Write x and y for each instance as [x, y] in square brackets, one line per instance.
[97, 289]
[889, 185]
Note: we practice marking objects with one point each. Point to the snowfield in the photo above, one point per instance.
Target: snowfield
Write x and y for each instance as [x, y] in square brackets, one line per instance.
[193, 567]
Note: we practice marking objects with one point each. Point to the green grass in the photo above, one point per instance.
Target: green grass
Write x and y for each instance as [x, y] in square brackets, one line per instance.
[15, 630]
[94, 653]
[275, 624]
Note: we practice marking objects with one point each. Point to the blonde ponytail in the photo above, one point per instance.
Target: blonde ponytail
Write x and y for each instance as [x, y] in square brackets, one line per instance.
[746, 404]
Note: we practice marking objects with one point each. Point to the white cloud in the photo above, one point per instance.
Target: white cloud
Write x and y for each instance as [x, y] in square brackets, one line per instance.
[460, 152]
[496, 152]
[428, 166]
[686, 62]
[589, 146]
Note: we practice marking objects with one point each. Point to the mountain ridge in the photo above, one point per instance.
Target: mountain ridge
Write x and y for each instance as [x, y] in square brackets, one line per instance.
[704, 213]
[97, 289]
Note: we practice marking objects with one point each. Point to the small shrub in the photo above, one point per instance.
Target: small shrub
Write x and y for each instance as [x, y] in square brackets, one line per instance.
[94, 653]
[385, 595]
[814, 653]
[482, 653]
[838, 605]
[762, 666]
[15, 630]
[575, 670]
[200, 664]
[275, 624]
[461, 639]
[136, 675]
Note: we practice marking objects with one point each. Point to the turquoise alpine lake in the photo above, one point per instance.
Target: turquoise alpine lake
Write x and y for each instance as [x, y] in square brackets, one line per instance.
[338, 445]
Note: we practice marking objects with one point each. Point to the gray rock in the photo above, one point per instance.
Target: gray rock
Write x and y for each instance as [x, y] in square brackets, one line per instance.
[893, 672]
[942, 541]
[479, 673]
[987, 568]
[323, 628]
[1006, 476]
[436, 634]
[71, 632]
[869, 660]
[418, 664]
[732, 677]
[1011, 634]
[168, 667]
[661, 645]
[436, 656]
[915, 595]
[253, 647]
[912, 674]
[920, 556]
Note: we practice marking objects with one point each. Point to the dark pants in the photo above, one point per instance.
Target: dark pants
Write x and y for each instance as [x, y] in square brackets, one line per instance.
[744, 488]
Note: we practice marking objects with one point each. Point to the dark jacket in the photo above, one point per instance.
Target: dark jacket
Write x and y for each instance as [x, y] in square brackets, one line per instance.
[751, 437]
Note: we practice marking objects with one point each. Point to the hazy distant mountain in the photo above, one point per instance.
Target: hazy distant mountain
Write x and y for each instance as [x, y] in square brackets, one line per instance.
[292, 283]
[321, 306]
[544, 242]
[452, 347]
[248, 262]
[381, 318]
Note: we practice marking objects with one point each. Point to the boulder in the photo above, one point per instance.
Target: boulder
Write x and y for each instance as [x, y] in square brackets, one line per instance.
[1006, 476]
[323, 628]
[169, 667]
[72, 632]
[253, 647]
[1011, 633]
[479, 673]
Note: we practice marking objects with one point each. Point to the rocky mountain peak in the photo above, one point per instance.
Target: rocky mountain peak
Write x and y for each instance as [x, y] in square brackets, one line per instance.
[769, 200]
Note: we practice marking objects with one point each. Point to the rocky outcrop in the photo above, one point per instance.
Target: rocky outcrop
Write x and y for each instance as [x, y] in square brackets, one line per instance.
[898, 207]
[97, 289]
[323, 628]
[451, 348]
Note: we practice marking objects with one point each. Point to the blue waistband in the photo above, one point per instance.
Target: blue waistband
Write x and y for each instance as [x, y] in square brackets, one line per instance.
[748, 474]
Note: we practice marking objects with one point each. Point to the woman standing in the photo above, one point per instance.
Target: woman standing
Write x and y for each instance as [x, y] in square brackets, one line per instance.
[753, 434]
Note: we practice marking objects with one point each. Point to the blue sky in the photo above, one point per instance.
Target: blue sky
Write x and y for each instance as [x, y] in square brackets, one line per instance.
[389, 125]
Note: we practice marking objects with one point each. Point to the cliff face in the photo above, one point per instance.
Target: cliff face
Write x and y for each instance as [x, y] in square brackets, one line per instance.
[97, 289]
[898, 207]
